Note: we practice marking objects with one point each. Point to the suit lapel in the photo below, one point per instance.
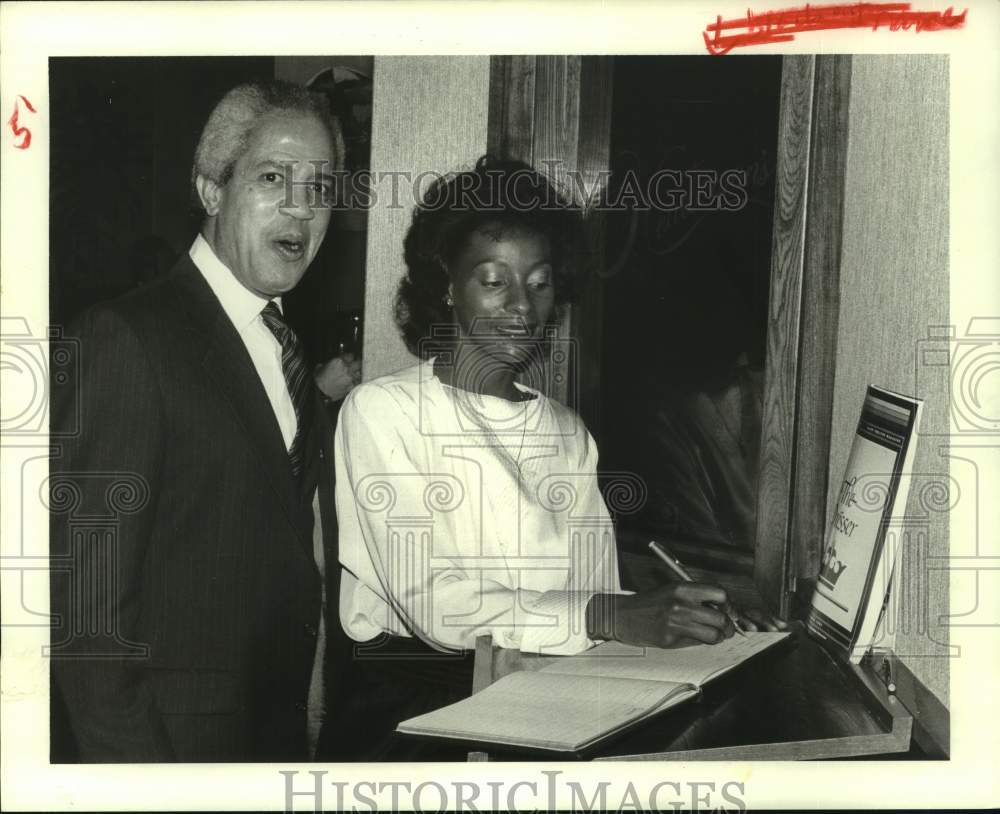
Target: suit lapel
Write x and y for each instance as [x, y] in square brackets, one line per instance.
[227, 361]
[328, 518]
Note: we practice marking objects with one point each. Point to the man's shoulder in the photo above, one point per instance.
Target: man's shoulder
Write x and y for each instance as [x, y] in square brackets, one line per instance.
[155, 306]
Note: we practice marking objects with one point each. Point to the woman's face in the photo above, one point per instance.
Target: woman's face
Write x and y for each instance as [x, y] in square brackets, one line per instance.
[502, 287]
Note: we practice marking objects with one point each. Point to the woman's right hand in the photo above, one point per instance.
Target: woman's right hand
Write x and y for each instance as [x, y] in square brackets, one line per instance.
[673, 615]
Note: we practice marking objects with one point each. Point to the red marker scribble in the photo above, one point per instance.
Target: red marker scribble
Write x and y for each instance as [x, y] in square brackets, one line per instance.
[21, 131]
[781, 26]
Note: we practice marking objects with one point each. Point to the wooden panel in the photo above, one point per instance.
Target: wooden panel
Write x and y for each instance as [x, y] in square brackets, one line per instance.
[798, 703]
[429, 114]
[893, 291]
[482, 677]
[593, 158]
[784, 317]
[554, 152]
[820, 749]
[557, 114]
[820, 310]
[537, 110]
[931, 721]
[482, 672]
[512, 107]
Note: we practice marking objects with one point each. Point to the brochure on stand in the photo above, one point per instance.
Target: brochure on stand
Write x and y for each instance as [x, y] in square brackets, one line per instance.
[862, 544]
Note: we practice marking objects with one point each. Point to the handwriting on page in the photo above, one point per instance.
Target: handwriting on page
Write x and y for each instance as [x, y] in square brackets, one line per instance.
[769, 27]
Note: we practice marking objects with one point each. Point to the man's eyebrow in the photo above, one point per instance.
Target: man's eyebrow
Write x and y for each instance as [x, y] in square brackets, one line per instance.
[270, 163]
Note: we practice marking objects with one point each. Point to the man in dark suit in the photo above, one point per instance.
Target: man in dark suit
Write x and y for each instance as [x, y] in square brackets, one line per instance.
[187, 547]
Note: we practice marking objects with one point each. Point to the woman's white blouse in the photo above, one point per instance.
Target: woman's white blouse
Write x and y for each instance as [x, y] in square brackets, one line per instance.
[439, 537]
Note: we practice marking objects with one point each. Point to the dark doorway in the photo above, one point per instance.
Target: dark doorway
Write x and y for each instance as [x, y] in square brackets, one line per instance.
[685, 302]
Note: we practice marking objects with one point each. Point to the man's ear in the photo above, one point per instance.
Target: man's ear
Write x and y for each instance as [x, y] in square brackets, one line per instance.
[210, 194]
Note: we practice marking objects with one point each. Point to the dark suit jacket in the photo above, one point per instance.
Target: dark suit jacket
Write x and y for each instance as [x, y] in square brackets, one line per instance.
[185, 591]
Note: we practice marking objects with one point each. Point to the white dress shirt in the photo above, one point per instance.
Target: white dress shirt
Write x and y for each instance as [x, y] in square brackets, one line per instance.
[243, 308]
[464, 515]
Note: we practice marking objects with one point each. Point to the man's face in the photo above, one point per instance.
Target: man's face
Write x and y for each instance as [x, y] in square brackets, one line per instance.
[264, 228]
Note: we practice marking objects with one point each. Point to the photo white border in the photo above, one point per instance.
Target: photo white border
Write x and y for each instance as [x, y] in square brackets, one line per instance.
[31, 32]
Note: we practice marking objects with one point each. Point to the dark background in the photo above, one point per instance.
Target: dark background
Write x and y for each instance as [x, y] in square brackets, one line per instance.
[691, 288]
[124, 131]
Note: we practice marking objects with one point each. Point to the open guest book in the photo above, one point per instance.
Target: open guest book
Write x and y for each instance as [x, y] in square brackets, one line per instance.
[576, 701]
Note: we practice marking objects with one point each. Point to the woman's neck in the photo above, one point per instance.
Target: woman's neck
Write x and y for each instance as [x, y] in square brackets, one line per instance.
[485, 377]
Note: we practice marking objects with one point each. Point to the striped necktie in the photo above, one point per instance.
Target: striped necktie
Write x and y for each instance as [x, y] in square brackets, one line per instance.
[297, 378]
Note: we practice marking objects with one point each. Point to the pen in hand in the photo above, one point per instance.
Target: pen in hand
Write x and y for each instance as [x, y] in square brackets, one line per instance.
[660, 551]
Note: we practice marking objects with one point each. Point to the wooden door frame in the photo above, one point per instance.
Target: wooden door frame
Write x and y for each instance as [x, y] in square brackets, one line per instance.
[544, 107]
[803, 313]
[558, 108]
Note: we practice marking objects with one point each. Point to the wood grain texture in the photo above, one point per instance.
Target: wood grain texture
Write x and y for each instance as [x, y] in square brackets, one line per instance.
[512, 106]
[554, 112]
[820, 310]
[931, 721]
[886, 743]
[482, 670]
[777, 452]
[593, 157]
[482, 677]
[800, 703]
[893, 290]
[429, 114]
[557, 113]
[555, 140]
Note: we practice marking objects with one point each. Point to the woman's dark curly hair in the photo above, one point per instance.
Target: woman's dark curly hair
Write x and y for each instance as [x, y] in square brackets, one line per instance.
[498, 195]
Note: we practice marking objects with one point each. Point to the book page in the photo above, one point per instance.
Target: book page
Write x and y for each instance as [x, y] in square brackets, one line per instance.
[684, 665]
[548, 711]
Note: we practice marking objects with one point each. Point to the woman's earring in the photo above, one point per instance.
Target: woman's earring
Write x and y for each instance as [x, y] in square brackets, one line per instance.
[449, 301]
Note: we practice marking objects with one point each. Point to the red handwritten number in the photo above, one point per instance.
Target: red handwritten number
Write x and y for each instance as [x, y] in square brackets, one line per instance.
[21, 131]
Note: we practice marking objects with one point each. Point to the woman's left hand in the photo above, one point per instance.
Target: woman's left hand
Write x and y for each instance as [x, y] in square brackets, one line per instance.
[753, 619]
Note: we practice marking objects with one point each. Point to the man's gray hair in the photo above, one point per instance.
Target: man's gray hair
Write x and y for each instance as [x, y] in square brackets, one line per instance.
[231, 124]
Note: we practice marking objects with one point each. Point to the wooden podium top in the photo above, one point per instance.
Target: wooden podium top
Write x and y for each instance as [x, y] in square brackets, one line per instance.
[796, 703]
